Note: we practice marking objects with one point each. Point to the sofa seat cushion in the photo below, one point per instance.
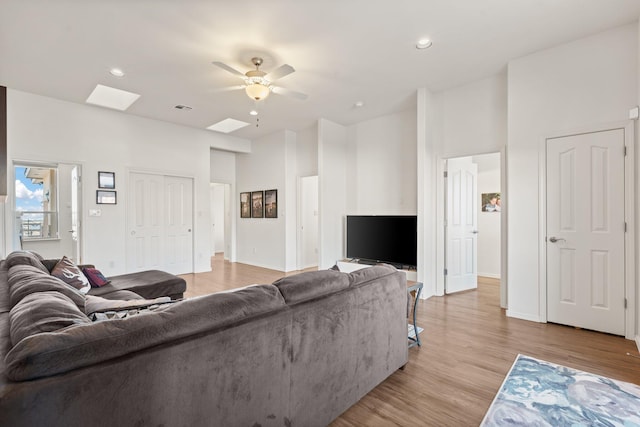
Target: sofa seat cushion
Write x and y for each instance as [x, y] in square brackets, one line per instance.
[148, 284]
[312, 284]
[26, 279]
[43, 312]
[98, 304]
[52, 353]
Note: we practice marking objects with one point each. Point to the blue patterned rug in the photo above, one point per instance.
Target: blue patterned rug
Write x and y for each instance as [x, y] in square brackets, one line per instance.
[539, 393]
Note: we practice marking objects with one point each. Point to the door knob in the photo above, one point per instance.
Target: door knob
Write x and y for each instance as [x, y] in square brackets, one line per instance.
[475, 231]
[556, 239]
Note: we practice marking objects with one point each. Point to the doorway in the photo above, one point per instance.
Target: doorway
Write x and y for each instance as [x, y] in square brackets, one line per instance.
[473, 217]
[307, 222]
[220, 196]
[47, 205]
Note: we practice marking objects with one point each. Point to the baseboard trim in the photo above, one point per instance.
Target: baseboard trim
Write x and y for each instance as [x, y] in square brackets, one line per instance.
[490, 275]
[638, 342]
[523, 316]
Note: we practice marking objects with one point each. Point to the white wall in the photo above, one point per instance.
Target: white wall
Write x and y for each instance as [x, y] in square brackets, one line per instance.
[266, 242]
[307, 151]
[383, 166]
[473, 118]
[332, 199]
[488, 222]
[45, 129]
[589, 81]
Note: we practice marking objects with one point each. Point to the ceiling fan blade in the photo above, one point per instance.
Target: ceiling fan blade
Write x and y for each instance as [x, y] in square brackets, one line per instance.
[288, 92]
[228, 88]
[229, 69]
[280, 72]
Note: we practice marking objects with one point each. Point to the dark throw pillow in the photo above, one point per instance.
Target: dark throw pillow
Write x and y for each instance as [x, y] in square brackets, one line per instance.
[71, 274]
[96, 278]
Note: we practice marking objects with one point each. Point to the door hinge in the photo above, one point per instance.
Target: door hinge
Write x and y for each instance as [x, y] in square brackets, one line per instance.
[445, 174]
[625, 227]
[625, 150]
[445, 271]
[625, 303]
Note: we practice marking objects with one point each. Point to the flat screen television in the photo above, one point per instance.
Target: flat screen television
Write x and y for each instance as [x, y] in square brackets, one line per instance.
[378, 238]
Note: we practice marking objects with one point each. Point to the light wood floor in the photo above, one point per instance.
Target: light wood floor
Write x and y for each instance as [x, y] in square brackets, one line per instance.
[468, 347]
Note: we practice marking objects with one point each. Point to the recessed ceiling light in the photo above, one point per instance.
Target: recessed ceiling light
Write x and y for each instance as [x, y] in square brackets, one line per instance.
[359, 104]
[423, 44]
[116, 72]
[228, 125]
[253, 112]
[109, 97]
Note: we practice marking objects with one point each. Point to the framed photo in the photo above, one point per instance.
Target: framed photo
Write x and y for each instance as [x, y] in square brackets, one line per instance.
[491, 202]
[106, 197]
[107, 180]
[245, 205]
[271, 204]
[257, 205]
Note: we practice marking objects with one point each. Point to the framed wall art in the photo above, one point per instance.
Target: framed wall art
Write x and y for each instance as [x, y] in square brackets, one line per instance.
[491, 202]
[245, 205]
[271, 204]
[104, 197]
[257, 204]
[107, 180]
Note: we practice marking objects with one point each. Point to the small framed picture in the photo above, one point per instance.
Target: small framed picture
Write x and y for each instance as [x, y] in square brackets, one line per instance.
[107, 180]
[257, 205]
[106, 197]
[491, 202]
[245, 205]
[271, 204]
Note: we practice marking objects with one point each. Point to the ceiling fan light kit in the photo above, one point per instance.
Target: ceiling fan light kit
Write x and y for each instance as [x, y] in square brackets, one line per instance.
[258, 83]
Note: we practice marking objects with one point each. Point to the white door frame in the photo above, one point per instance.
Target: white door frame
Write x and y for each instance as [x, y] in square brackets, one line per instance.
[629, 215]
[440, 220]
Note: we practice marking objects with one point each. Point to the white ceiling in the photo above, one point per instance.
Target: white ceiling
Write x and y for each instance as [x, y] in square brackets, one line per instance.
[343, 51]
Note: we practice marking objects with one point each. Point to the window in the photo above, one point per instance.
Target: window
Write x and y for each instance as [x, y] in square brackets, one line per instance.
[36, 202]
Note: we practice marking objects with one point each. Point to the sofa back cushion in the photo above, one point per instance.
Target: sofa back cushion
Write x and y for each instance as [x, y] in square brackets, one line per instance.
[365, 275]
[26, 258]
[66, 349]
[43, 312]
[312, 284]
[26, 279]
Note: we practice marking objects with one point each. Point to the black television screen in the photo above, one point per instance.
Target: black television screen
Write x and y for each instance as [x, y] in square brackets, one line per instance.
[391, 239]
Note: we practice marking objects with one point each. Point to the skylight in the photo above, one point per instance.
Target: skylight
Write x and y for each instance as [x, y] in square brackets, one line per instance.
[228, 125]
[109, 97]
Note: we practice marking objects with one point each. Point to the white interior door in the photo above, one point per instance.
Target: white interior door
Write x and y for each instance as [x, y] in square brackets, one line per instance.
[145, 212]
[461, 261]
[178, 229]
[585, 231]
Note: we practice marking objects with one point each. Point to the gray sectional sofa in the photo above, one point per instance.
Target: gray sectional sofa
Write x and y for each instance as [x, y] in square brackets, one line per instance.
[297, 352]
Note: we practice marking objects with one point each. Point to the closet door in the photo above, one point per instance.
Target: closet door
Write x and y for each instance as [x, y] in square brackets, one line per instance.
[145, 219]
[160, 223]
[178, 224]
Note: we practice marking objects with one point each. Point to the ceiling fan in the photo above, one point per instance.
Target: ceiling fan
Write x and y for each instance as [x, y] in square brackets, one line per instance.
[258, 84]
